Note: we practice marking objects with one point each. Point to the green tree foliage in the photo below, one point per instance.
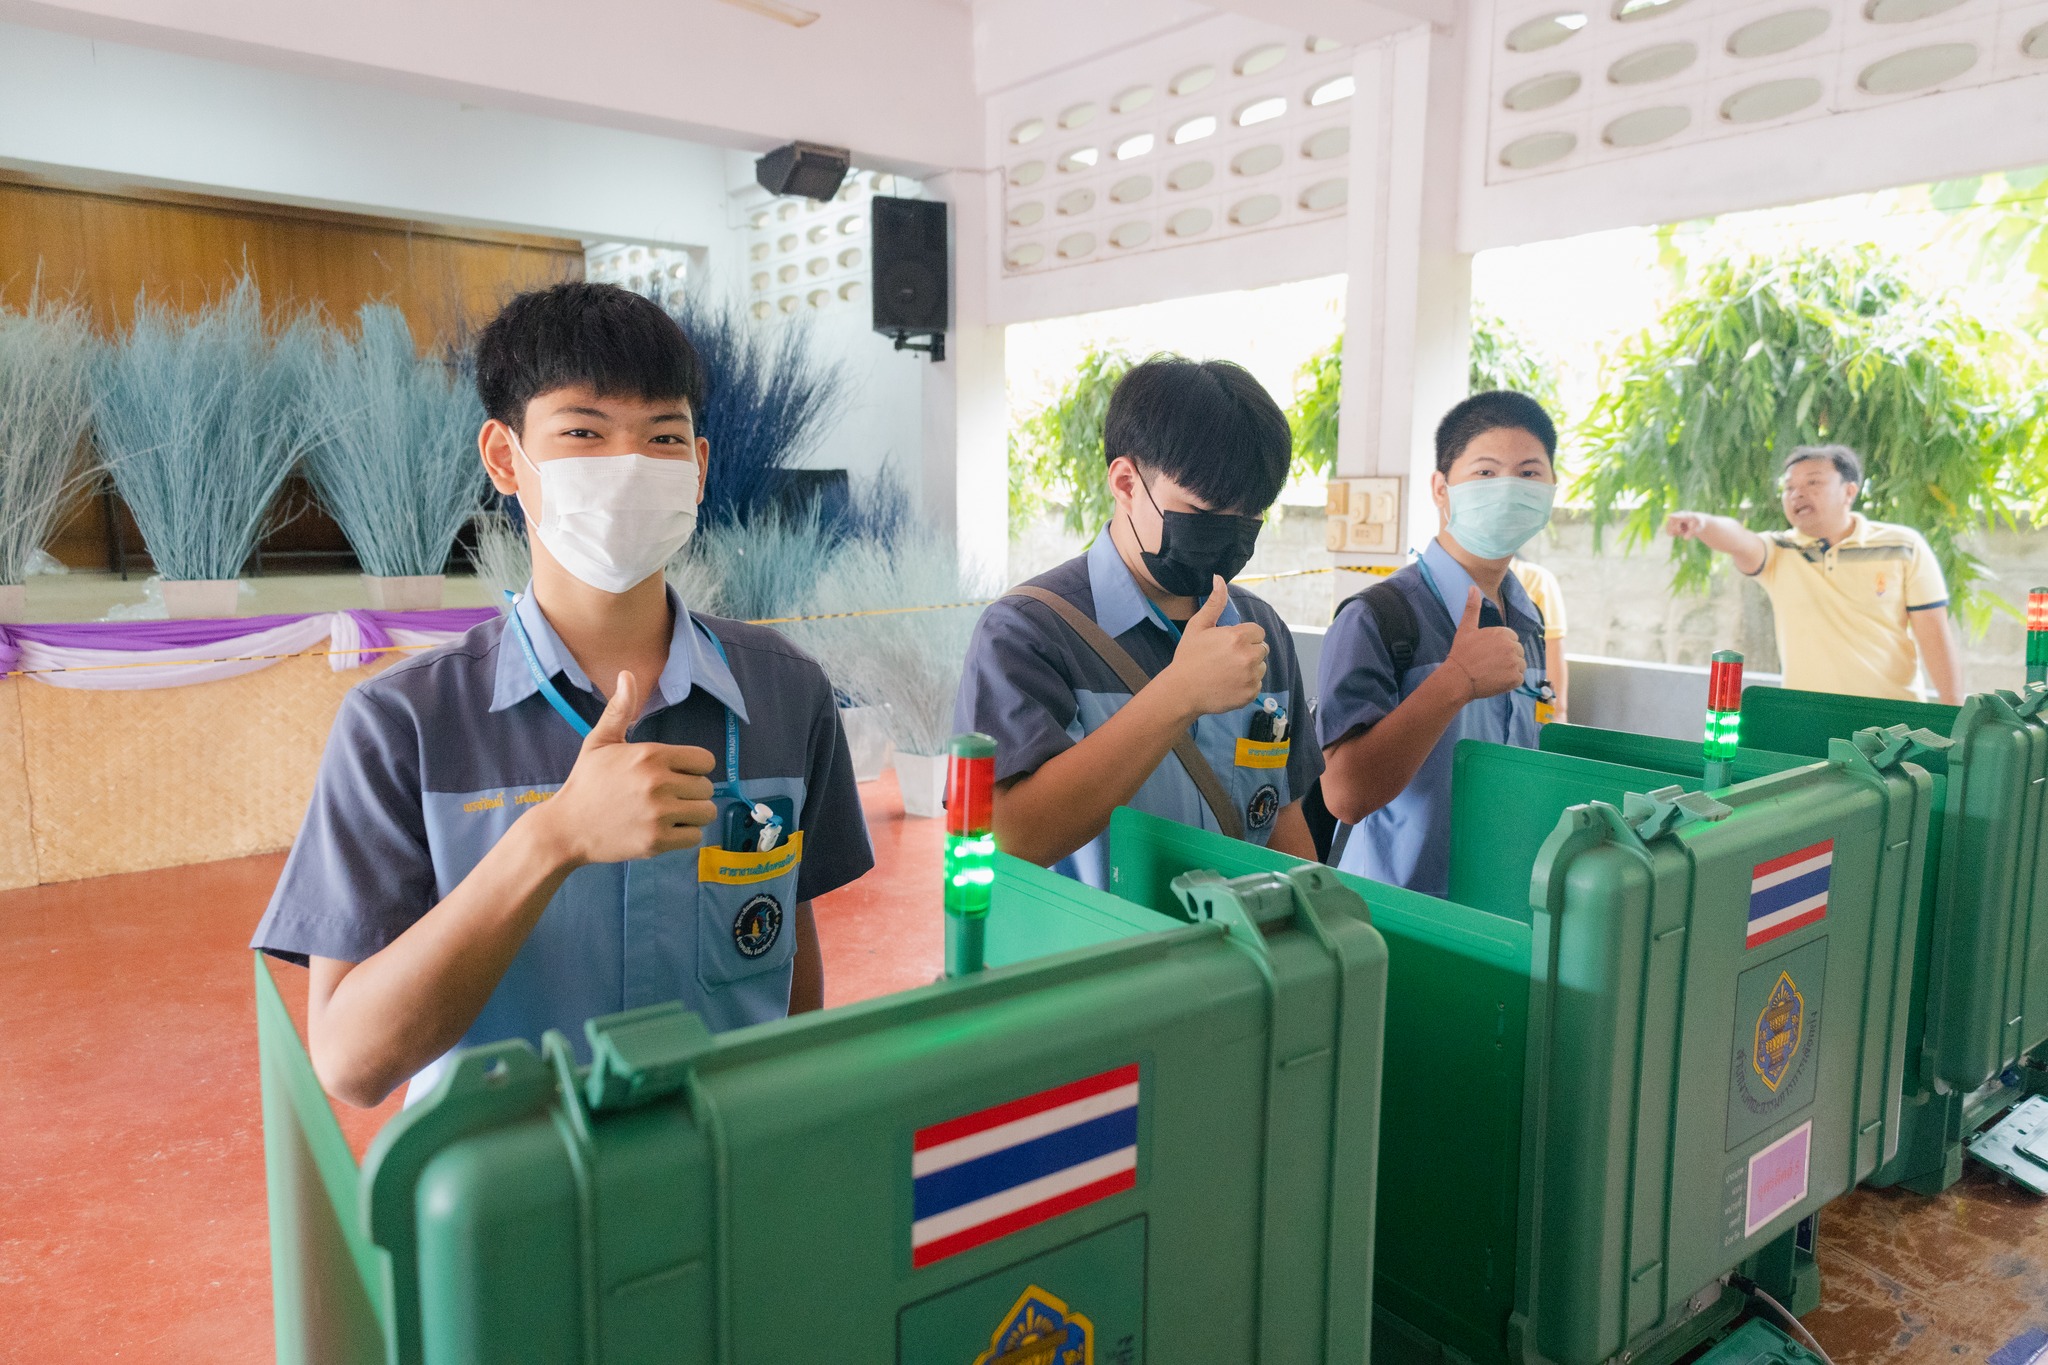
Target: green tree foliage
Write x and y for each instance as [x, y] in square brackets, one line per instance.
[1314, 414]
[2011, 226]
[1758, 356]
[1501, 359]
[1056, 454]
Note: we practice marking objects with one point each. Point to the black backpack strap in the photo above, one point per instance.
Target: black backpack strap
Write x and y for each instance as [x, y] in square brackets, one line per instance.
[1400, 632]
[1395, 617]
[1322, 826]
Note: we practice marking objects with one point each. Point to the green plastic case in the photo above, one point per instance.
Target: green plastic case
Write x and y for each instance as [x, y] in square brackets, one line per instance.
[1981, 1000]
[1567, 1133]
[747, 1198]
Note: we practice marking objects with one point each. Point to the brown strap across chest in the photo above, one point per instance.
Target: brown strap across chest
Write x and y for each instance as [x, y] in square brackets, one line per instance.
[1134, 677]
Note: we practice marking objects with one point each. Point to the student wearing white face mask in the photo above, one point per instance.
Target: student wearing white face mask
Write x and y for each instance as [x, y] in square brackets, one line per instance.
[599, 801]
[1449, 647]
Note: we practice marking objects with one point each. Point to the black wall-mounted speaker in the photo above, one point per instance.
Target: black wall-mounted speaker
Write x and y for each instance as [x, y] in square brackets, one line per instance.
[803, 168]
[910, 270]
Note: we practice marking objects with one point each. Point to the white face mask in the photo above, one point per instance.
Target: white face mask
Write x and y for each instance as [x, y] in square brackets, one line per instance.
[614, 520]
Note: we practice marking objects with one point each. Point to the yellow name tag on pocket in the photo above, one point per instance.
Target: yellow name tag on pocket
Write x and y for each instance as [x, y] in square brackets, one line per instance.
[738, 869]
[1253, 753]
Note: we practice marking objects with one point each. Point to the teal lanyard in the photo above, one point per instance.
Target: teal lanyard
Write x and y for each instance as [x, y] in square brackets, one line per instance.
[1165, 624]
[1278, 712]
[1541, 691]
[731, 785]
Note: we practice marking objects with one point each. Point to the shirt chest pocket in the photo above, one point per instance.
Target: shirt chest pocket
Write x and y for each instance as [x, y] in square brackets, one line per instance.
[1249, 750]
[746, 905]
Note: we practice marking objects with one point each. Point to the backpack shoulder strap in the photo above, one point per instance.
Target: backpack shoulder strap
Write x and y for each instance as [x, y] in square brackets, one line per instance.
[1134, 677]
[1395, 617]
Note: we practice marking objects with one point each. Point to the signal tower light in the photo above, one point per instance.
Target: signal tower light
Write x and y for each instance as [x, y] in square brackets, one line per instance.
[970, 849]
[2037, 635]
[1724, 715]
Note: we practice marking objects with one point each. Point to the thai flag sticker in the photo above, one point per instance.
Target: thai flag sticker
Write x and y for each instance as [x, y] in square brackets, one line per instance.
[1789, 892]
[999, 1170]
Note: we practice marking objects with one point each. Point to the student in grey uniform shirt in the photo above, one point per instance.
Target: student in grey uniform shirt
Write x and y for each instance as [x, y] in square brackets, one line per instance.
[599, 801]
[1197, 453]
[1472, 665]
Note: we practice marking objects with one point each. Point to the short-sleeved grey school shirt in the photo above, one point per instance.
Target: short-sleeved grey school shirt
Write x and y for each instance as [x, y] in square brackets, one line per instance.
[1033, 686]
[431, 761]
[1407, 842]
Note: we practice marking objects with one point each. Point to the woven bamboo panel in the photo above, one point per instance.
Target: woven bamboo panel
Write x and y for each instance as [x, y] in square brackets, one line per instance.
[126, 781]
[17, 848]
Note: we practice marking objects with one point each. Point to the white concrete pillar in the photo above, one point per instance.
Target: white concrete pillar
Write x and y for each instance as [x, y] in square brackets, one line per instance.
[965, 470]
[1407, 315]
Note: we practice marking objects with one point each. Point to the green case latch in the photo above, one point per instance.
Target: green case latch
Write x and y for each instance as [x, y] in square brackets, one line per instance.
[640, 1055]
[1666, 809]
[1878, 749]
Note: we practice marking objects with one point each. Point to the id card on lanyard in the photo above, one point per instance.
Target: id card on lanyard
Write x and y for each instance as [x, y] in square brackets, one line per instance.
[1541, 692]
[759, 826]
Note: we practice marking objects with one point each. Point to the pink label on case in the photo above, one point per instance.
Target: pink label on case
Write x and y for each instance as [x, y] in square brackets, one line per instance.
[1777, 1177]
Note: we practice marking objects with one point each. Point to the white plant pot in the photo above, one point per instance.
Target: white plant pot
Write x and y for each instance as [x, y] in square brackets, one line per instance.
[13, 603]
[867, 740]
[923, 780]
[202, 597]
[421, 592]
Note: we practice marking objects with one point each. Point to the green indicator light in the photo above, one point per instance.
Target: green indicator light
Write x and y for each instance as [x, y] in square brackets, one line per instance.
[1723, 733]
[970, 873]
[969, 885]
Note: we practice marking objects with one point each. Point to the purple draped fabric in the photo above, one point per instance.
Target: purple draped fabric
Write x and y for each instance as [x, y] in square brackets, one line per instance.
[375, 627]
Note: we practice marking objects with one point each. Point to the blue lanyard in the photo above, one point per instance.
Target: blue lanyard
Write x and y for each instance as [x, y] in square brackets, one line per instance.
[1278, 712]
[731, 785]
[1541, 691]
[1165, 623]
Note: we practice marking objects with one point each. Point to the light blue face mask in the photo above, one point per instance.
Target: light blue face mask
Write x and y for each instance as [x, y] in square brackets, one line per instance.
[1495, 517]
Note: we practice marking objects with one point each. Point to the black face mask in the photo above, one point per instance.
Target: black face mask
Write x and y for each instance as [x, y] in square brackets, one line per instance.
[1194, 547]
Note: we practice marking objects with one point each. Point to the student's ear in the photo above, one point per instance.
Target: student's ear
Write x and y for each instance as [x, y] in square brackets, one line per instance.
[1124, 480]
[494, 443]
[1440, 494]
[703, 467]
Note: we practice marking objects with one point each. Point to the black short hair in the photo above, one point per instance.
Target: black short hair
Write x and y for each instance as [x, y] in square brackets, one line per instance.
[1847, 462]
[1492, 411]
[611, 339]
[1207, 425]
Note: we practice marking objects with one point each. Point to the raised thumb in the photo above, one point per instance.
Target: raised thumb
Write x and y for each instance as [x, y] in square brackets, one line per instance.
[618, 714]
[1212, 606]
[1471, 617]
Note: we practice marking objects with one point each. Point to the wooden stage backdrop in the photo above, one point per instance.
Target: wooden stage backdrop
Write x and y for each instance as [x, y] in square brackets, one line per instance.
[105, 245]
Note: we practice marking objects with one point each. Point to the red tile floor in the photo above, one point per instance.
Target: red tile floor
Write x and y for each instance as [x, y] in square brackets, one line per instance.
[131, 1154]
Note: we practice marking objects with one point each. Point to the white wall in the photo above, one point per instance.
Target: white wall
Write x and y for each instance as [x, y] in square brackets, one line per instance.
[79, 109]
[884, 424]
[1074, 258]
[892, 79]
[1408, 308]
[1993, 116]
[1020, 40]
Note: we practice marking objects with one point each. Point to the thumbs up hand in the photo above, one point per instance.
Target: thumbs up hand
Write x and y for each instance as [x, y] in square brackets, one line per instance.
[1216, 669]
[1490, 657]
[624, 801]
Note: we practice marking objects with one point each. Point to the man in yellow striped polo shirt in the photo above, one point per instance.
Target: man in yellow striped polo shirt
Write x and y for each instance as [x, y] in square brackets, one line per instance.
[1860, 604]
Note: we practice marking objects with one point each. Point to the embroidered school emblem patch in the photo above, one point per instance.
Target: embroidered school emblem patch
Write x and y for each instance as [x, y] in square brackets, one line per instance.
[1788, 893]
[1041, 1330]
[1264, 805]
[1014, 1165]
[1779, 1030]
[756, 927]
